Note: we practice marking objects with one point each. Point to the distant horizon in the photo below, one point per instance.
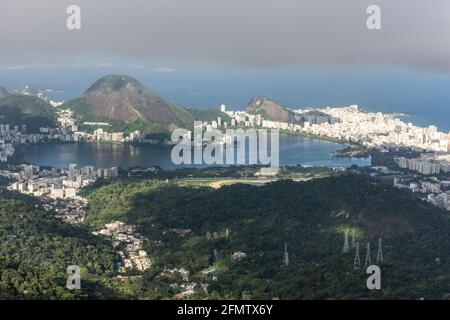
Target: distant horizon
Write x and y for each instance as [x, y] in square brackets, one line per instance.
[423, 96]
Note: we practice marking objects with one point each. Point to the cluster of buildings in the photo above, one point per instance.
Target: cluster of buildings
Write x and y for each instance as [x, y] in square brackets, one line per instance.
[427, 163]
[66, 120]
[243, 119]
[101, 135]
[48, 134]
[14, 135]
[6, 151]
[67, 131]
[54, 183]
[73, 212]
[435, 191]
[441, 200]
[376, 130]
[129, 244]
[239, 119]
[186, 287]
[372, 130]
[55, 187]
[236, 256]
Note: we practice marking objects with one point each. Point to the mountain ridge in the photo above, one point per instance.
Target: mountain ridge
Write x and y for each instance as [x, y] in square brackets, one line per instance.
[125, 100]
[313, 218]
[270, 110]
[18, 109]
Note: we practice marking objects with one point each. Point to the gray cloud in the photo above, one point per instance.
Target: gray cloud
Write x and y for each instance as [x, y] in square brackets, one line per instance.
[247, 32]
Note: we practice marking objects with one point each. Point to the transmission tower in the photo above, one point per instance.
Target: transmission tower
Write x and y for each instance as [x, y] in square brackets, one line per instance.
[368, 261]
[286, 255]
[380, 251]
[353, 239]
[357, 261]
[346, 247]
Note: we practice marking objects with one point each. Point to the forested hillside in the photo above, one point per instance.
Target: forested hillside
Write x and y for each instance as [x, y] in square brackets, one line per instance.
[192, 233]
[17, 109]
[310, 217]
[36, 249]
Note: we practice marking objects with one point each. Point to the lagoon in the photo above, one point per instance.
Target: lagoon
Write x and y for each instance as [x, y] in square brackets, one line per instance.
[293, 150]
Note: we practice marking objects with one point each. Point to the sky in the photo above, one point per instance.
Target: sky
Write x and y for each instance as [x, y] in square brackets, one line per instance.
[247, 33]
[201, 53]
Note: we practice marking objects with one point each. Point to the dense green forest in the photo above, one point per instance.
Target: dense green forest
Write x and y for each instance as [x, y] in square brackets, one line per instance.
[36, 249]
[311, 217]
[200, 228]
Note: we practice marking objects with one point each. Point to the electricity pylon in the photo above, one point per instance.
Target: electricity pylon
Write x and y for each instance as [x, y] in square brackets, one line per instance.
[368, 261]
[353, 239]
[380, 252]
[346, 247]
[286, 255]
[357, 261]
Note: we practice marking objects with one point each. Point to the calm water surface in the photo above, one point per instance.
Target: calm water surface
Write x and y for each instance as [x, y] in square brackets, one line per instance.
[293, 150]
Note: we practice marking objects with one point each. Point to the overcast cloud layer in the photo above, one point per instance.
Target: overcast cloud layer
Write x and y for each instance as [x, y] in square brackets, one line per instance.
[247, 32]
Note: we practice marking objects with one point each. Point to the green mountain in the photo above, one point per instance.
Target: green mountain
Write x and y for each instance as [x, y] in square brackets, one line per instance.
[33, 91]
[310, 217]
[270, 110]
[17, 109]
[36, 249]
[199, 229]
[209, 115]
[128, 105]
